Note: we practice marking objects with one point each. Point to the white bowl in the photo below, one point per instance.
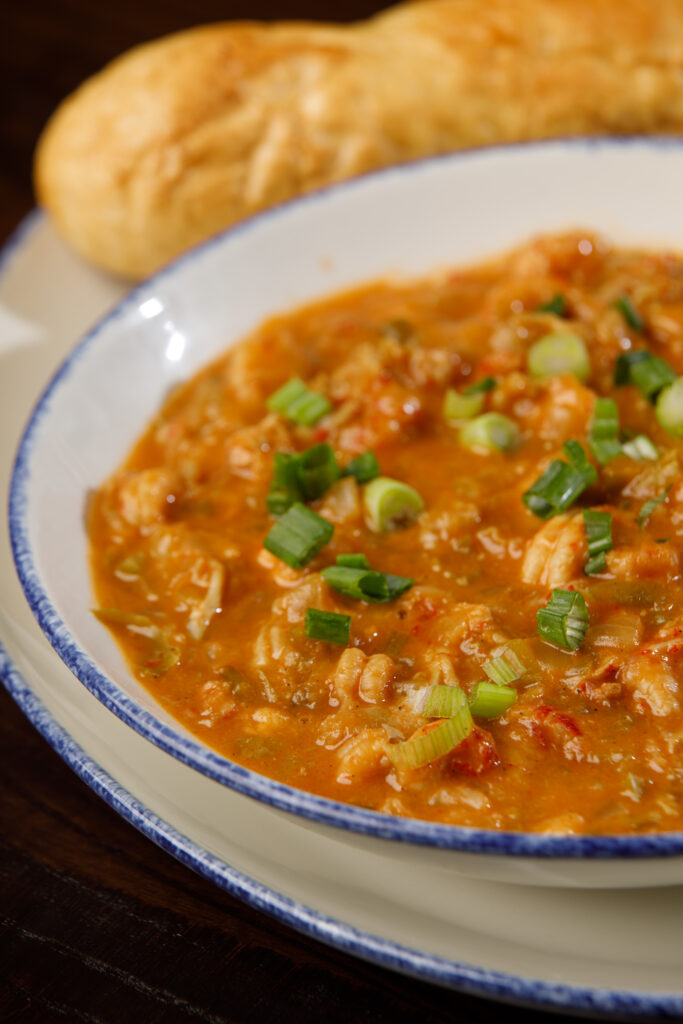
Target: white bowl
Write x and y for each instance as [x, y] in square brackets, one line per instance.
[405, 221]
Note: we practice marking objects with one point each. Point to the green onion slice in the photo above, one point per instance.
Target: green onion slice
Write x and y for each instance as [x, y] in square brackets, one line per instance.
[390, 504]
[364, 467]
[481, 386]
[295, 401]
[648, 372]
[444, 701]
[489, 700]
[284, 486]
[439, 740]
[649, 507]
[330, 626]
[603, 435]
[564, 620]
[640, 447]
[365, 584]
[316, 470]
[353, 561]
[669, 408]
[299, 535]
[462, 407]
[557, 305]
[504, 669]
[491, 430]
[561, 484]
[562, 352]
[629, 313]
[598, 529]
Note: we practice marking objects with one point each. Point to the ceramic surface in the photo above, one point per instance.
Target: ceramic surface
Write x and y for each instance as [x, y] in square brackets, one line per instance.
[599, 952]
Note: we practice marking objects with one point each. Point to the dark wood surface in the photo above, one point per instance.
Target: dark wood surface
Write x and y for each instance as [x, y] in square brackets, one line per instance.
[96, 923]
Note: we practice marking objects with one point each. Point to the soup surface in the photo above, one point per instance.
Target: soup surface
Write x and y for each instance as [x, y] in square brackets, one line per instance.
[499, 448]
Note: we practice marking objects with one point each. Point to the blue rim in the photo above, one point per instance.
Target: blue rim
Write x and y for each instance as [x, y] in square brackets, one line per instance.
[211, 764]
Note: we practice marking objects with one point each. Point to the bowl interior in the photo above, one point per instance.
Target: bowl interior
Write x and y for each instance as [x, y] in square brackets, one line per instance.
[406, 221]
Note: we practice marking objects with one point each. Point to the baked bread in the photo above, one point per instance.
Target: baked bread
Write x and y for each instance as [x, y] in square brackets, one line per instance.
[183, 136]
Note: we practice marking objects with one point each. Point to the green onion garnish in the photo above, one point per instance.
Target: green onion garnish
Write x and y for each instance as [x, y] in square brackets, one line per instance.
[364, 467]
[316, 470]
[438, 741]
[491, 430]
[564, 620]
[603, 435]
[561, 483]
[364, 584]
[504, 669]
[284, 487]
[330, 626]
[299, 535]
[649, 507]
[353, 561]
[561, 352]
[488, 700]
[462, 407]
[640, 447]
[669, 408]
[390, 504]
[598, 529]
[557, 305]
[444, 702]
[629, 313]
[295, 401]
[649, 373]
[481, 386]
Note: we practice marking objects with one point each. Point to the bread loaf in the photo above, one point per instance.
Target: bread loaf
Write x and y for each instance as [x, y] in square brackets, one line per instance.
[183, 136]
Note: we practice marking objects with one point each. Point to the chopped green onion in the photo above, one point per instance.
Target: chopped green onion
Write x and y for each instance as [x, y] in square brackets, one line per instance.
[295, 401]
[317, 469]
[629, 313]
[598, 529]
[390, 504]
[353, 561]
[284, 487]
[481, 386]
[462, 407]
[444, 701]
[299, 535]
[577, 457]
[649, 373]
[281, 399]
[564, 620]
[669, 408]
[562, 352]
[603, 435]
[649, 507]
[364, 467]
[561, 484]
[430, 745]
[365, 584]
[491, 430]
[330, 626]
[488, 700]
[640, 447]
[399, 329]
[557, 305]
[504, 669]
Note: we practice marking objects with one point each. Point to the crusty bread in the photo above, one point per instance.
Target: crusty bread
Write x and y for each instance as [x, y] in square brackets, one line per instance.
[181, 137]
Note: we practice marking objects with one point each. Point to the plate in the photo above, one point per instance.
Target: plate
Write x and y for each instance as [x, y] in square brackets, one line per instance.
[565, 950]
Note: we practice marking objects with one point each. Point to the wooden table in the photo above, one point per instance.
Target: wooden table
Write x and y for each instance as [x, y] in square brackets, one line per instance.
[96, 923]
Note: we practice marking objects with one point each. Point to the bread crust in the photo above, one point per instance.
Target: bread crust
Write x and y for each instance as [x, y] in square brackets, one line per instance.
[181, 137]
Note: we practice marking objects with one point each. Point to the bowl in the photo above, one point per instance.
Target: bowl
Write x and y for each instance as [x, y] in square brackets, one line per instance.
[404, 221]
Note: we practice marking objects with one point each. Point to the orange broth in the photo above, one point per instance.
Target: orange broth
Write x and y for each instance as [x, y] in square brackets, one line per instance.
[213, 623]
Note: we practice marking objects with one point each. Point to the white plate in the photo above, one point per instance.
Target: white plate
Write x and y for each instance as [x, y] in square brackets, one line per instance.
[603, 952]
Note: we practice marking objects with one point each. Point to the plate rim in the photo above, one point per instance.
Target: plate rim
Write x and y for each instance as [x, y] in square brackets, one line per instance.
[186, 749]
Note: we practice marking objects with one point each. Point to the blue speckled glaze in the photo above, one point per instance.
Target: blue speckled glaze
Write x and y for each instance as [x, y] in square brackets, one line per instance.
[208, 762]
